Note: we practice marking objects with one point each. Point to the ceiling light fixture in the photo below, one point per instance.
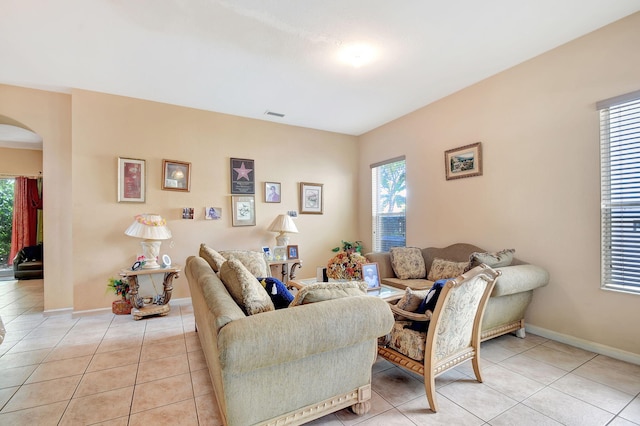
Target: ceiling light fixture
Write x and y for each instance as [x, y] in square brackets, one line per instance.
[357, 54]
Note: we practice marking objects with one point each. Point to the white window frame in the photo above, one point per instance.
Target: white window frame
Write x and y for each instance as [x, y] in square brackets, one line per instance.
[376, 215]
[620, 192]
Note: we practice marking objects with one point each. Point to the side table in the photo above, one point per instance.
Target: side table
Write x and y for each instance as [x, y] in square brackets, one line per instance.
[288, 273]
[160, 305]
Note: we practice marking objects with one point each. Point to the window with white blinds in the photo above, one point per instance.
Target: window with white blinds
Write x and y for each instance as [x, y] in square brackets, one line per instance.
[388, 202]
[620, 192]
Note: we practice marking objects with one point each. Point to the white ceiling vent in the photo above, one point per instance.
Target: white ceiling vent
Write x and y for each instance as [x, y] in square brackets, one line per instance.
[275, 114]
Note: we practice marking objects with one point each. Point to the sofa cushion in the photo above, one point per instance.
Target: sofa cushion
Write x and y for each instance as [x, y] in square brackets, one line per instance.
[494, 260]
[406, 341]
[213, 258]
[319, 292]
[280, 295]
[410, 301]
[407, 262]
[245, 288]
[415, 284]
[442, 269]
[254, 261]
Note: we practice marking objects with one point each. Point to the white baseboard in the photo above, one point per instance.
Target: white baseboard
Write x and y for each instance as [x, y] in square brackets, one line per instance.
[89, 312]
[585, 344]
[55, 312]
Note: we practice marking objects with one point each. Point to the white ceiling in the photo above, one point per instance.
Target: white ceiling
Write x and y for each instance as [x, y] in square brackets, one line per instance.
[245, 57]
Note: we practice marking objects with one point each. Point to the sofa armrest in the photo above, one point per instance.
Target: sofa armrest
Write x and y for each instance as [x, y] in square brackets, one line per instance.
[384, 263]
[285, 335]
[519, 278]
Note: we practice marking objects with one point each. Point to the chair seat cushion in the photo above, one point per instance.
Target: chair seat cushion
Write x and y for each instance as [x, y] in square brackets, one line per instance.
[406, 341]
[30, 266]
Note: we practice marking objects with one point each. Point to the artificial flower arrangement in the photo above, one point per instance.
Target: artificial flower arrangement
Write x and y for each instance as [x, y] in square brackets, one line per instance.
[119, 287]
[346, 264]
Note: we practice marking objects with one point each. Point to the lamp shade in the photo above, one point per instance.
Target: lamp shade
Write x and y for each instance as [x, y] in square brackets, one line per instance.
[149, 226]
[283, 223]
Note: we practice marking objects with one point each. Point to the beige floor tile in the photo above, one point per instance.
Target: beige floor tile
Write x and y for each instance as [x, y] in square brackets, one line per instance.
[42, 393]
[328, 420]
[180, 413]
[201, 382]
[522, 415]
[120, 421]
[192, 341]
[378, 406]
[533, 369]
[107, 380]
[23, 358]
[43, 415]
[103, 361]
[208, 413]
[197, 360]
[27, 344]
[161, 368]
[516, 344]
[396, 386]
[569, 349]
[505, 381]
[602, 396]
[16, 376]
[98, 408]
[120, 343]
[606, 371]
[71, 351]
[477, 398]
[496, 353]
[632, 411]
[448, 414]
[155, 394]
[43, 331]
[6, 394]
[557, 358]
[619, 421]
[164, 336]
[162, 350]
[566, 409]
[57, 369]
[380, 364]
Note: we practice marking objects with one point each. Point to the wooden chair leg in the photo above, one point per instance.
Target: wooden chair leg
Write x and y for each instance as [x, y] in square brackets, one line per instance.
[475, 361]
[430, 388]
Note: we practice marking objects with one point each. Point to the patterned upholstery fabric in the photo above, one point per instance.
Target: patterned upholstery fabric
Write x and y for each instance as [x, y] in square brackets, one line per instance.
[407, 262]
[245, 289]
[411, 300]
[321, 291]
[213, 258]
[442, 269]
[406, 341]
[254, 261]
[495, 260]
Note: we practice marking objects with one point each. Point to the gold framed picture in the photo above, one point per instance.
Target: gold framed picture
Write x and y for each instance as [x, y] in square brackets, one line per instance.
[463, 162]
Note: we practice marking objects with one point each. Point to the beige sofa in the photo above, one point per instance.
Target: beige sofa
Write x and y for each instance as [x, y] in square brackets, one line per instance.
[509, 299]
[287, 366]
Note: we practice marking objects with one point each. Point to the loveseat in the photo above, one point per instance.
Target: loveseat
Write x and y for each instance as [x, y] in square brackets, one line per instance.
[289, 365]
[509, 299]
[28, 264]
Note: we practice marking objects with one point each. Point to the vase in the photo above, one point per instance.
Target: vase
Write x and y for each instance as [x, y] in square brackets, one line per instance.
[121, 307]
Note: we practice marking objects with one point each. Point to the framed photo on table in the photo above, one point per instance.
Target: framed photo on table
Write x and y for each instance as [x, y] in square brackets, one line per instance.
[132, 178]
[371, 276]
[292, 252]
[176, 175]
[243, 210]
[463, 162]
[311, 198]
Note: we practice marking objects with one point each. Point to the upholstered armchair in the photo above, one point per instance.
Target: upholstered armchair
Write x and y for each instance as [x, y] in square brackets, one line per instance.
[28, 263]
[431, 343]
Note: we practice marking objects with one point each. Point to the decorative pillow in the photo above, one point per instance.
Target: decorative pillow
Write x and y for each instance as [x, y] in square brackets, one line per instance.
[407, 262]
[245, 288]
[254, 261]
[319, 292]
[410, 301]
[428, 304]
[493, 260]
[213, 258]
[442, 269]
[280, 295]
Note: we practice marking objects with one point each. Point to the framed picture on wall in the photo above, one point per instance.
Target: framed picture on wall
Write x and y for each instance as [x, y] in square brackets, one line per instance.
[243, 176]
[272, 192]
[311, 198]
[243, 210]
[176, 175]
[463, 162]
[132, 177]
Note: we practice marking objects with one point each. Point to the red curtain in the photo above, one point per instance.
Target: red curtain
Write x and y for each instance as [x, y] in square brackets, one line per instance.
[26, 202]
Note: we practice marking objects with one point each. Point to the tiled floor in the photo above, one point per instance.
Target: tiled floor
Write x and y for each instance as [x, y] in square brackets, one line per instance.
[111, 370]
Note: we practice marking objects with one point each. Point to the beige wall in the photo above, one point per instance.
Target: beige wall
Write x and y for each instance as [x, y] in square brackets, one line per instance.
[49, 115]
[105, 127]
[20, 162]
[540, 190]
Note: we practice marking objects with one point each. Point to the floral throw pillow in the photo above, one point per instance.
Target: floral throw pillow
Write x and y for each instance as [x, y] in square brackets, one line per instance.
[442, 269]
[407, 262]
[493, 260]
[254, 261]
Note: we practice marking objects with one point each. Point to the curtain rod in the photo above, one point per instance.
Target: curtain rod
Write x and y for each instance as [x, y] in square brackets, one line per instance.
[13, 175]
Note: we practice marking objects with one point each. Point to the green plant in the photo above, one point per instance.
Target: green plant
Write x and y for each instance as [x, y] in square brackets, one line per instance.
[349, 246]
[119, 287]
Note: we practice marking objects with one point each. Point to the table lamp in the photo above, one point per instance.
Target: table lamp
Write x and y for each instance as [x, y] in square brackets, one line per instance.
[153, 228]
[284, 225]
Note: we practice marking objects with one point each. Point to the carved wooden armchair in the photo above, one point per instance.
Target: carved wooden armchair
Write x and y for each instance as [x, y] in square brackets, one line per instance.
[453, 333]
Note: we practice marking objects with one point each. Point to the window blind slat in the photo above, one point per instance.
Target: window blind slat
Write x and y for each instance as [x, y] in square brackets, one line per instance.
[620, 192]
